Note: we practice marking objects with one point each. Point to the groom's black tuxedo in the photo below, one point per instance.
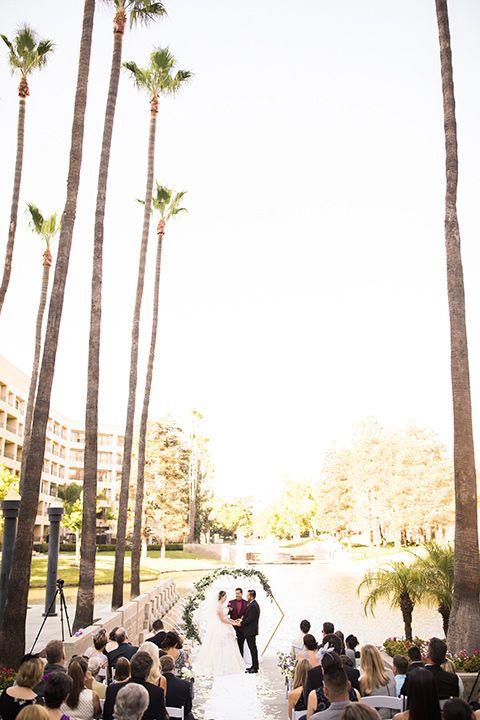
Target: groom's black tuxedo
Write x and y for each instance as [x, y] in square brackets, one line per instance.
[250, 630]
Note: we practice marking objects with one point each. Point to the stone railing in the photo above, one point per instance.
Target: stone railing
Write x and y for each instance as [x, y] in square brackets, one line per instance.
[135, 616]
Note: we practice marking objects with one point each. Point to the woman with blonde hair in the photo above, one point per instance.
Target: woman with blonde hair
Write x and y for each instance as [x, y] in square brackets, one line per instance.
[33, 712]
[155, 676]
[14, 698]
[376, 679]
[296, 696]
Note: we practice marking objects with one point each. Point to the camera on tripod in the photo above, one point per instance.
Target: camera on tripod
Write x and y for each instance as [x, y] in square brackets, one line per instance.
[60, 583]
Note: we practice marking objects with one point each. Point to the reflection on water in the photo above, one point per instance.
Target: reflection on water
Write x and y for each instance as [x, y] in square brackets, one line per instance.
[314, 592]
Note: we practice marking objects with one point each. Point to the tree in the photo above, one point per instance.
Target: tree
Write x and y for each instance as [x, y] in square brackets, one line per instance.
[290, 515]
[47, 228]
[12, 632]
[27, 53]
[140, 10]
[464, 626]
[157, 79]
[398, 583]
[194, 474]
[71, 495]
[436, 573]
[167, 204]
[229, 517]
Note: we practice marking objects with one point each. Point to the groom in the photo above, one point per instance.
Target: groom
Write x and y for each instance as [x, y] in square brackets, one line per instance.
[238, 608]
[250, 629]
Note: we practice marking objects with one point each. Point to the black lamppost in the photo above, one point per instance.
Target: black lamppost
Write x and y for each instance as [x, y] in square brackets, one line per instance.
[10, 507]
[54, 512]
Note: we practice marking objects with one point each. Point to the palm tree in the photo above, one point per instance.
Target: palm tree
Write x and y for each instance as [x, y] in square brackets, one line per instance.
[27, 53]
[157, 79]
[140, 10]
[12, 632]
[436, 572]
[464, 625]
[397, 582]
[168, 205]
[47, 228]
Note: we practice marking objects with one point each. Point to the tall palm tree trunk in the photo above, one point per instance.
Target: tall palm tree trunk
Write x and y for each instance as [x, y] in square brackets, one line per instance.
[464, 625]
[86, 586]
[12, 632]
[118, 574]
[137, 527]
[47, 263]
[12, 228]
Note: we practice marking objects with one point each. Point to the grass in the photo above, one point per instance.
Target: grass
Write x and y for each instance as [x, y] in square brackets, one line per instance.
[366, 553]
[176, 560]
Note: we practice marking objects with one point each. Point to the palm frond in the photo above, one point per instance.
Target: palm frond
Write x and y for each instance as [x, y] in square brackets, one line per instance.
[143, 11]
[35, 219]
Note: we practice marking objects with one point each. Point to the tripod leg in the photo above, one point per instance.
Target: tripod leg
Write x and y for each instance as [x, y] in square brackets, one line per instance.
[63, 602]
[52, 604]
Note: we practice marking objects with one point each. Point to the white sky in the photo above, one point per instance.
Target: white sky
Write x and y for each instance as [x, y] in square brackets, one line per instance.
[306, 288]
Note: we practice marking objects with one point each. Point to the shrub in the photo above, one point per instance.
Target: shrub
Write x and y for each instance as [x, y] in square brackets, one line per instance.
[67, 547]
[464, 662]
[7, 677]
[40, 547]
[399, 646]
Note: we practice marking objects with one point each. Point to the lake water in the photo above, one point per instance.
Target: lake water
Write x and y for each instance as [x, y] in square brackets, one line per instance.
[314, 592]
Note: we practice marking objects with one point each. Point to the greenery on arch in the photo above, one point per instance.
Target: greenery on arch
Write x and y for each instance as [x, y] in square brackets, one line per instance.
[202, 585]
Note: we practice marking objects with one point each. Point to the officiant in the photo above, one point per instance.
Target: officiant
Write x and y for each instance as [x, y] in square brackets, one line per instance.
[237, 609]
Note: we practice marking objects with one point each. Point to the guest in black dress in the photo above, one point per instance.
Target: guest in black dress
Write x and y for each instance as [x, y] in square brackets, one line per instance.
[14, 698]
[296, 696]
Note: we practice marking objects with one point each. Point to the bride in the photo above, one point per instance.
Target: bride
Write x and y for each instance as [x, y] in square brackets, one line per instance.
[219, 654]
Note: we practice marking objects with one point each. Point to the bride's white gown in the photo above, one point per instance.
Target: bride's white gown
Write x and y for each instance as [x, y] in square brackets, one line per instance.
[219, 653]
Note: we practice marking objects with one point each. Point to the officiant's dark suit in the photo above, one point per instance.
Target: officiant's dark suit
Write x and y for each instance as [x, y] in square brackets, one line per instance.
[238, 608]
[250, 628]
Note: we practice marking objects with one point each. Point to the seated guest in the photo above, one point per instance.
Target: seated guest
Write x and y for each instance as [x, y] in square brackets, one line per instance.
[352, 672]
[448, 666]
[124, 649]
[336, 692]
[131, 703]
[297, 644]
[447, 684]
[296, 696]
[328, 628]
[351, 643]
[82, 702]
[315, 675]
[423, 703]
[14, 698]
[400, 666]
[376, 678]
[33, 712]
[58, 686]
[172, 645]
[459, 709]
[317, 699]
[140, 666]
[100, 642]
[339, 634]
[358, 711]
[159, 633]
[94, 665]
[414, 658]
[179, 692]
[155, 675]
[55, 655]
[112, 643]
[311, 651]
[122, 670]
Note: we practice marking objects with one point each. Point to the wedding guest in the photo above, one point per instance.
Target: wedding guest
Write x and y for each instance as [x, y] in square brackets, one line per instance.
[340, 634]
[94, 665]
[159, 633]
[130, 703]
[33, 712]
[315, 675]
[55, 655]
[328, 628]
[447, 684]
[351, 643]
[400, 667]
[459, 709]
[58, 685]
[414, 658]
[376, 678]
[297, 699]
[112, 643]
[336, 692]
[123, 649]
[14, 698]
[140, 666]
[173, 647]
[448, 666]
[311, 650]
[82, 702]
[317, 698]
[352, 672]
[358, 711]
[423, 703]
[179, 692]
[100, 641]
[297, 644]
[122, 670]
[155, 675]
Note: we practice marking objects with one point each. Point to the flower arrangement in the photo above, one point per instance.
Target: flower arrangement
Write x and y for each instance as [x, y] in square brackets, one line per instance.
[286, 663]
[187, 672]
[7, 677]
[463, 661]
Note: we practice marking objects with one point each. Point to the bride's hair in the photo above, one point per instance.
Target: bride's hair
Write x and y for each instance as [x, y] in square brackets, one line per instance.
[221, 594]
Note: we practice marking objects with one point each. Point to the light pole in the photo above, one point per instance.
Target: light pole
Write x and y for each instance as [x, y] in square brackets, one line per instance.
[10, 508]
[54, 512]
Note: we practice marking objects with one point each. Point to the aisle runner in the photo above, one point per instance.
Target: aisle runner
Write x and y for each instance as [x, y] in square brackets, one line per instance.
[234, 697]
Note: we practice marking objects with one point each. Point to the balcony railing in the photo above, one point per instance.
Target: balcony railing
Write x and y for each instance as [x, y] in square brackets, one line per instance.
[3, 396]
[11, 401]
[9, 455]
[11, 428]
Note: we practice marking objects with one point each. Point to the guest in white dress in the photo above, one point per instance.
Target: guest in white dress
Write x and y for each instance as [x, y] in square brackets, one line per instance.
[297, 644]
[83, 702]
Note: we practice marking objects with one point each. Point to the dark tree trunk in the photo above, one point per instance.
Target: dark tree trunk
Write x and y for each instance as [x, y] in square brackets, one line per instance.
[445, 613]
[12, 228]
[137, 527]
[12, 633]
[47, 262]
[406, 606]
[464, 625]
[86, 586]
[118, 573]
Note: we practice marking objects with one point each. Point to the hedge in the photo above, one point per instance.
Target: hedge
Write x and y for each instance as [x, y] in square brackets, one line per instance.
[70, 547]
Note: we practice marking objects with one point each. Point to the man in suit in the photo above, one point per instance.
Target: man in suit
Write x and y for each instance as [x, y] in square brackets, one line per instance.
[131, 702]
[124, 649]
[447, 683]
[140, 666]
[238, 608]
[414, 658]
[336, 690]
[178, 691]
[249, 624]
[160, 634]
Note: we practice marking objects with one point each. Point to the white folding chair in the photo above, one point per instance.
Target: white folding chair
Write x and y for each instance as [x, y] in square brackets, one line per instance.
[175, 712]
[383, 701]
[442, 702]
[297, 714]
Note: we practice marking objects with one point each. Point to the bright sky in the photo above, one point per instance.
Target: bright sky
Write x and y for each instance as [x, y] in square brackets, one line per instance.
[306, 288]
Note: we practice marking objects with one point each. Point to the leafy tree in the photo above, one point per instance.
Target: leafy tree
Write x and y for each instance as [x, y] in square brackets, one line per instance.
[396, 582]
[167, 204]
[436, 573]
[291, 514]
[464, 625]
[157, 79]
[27, 53]
[47, 228]
[140, 11]
[228, 517]
[12, 632]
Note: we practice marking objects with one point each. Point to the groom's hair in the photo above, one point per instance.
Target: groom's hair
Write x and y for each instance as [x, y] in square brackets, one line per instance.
[253, 593]
[239, 590]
